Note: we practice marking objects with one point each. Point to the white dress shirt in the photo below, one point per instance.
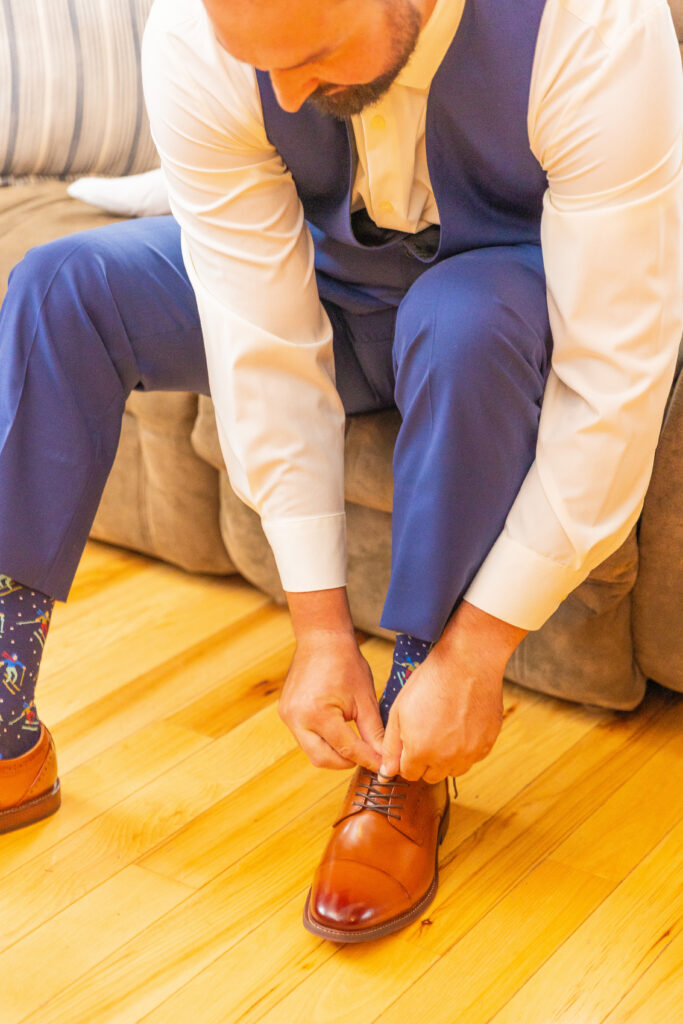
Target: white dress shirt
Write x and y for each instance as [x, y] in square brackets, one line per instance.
[605, 121]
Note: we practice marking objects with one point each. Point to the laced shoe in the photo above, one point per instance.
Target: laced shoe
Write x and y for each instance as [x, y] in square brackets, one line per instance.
[29, 787]
[379, 870]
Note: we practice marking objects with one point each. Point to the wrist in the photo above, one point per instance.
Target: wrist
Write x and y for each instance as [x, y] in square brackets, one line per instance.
[477, 634]
[321, 615]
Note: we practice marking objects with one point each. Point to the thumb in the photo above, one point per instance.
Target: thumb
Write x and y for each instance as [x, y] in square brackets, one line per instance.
[369, 722]
[393, 745]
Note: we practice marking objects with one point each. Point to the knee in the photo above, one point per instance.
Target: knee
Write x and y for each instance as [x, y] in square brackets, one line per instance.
[471, 315]
[47, 270]
[60, 316]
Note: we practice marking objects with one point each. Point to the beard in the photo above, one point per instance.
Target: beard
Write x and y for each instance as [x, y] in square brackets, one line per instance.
[405, 23]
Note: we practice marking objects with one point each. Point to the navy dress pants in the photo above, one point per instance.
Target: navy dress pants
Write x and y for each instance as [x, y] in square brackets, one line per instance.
[92, 316]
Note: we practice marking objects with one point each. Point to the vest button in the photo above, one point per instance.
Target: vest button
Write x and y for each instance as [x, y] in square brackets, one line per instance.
[378, 123]
[386, 207]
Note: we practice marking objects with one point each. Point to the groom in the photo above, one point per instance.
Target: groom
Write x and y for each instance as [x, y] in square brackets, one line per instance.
[430, 203]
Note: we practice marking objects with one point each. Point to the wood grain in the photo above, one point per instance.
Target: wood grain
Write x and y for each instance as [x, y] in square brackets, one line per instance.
[169, 887]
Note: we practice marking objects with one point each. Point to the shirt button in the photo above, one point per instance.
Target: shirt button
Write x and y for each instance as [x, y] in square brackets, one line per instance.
[386, 207]
[378, 123]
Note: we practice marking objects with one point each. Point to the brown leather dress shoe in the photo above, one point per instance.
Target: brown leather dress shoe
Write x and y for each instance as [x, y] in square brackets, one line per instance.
[29, 787]
[379, 871]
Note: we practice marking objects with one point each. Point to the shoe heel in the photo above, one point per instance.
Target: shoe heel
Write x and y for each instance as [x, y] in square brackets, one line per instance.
[33, 810]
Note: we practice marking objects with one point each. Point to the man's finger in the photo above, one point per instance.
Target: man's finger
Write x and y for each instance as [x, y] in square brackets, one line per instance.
[342, 738]
[392, 747]
[411, 768]
[320, 753]
[369, 722]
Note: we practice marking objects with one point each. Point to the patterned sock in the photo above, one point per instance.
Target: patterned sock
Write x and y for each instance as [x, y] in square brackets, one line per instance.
[409, 652]
[24, 620]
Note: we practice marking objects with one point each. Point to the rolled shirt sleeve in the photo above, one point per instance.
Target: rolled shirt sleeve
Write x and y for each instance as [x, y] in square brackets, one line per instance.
[605, 121]
[249, 257]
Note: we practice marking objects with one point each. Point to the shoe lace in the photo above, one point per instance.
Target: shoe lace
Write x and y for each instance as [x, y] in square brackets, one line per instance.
[374, 796]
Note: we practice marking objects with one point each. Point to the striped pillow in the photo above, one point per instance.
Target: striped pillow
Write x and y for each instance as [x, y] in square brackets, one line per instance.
[70, 90]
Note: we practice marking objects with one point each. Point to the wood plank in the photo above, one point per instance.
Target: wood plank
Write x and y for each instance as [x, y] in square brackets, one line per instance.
[634, 819]
[252, 975]
[479, 871]
[488, 965]
[136, 625]
[657, 995]
[247, 689]
[227, 831]
[243, 985]
[91, 789]
[99, 566]
[610, 843]
[197, 853]
[76, 865]
[38, 967]
[209, 687]
[536, 734]
[185, 768]
[160, 959]
[584, 979]
[379, 655]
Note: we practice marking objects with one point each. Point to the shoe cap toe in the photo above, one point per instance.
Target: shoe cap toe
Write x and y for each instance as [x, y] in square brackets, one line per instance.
[349, 895]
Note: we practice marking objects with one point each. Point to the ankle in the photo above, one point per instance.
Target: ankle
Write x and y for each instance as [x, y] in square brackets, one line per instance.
[24, 622]
[409, 652]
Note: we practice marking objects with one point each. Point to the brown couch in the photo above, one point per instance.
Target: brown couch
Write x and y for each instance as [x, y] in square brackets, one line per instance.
[168, 496]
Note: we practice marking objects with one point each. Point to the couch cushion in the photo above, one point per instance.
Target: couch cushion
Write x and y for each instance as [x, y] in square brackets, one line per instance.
[677, 12]
[70, 88]
[161, 498]
[584, 652]
[658, 594]
[368, 452]
[368, 455]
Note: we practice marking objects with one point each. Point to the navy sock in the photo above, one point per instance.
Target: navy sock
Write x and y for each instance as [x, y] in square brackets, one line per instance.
[409, 652]
[24, 621]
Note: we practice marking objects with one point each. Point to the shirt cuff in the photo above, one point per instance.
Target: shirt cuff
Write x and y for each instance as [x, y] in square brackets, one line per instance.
[310, 552]
[520, 586]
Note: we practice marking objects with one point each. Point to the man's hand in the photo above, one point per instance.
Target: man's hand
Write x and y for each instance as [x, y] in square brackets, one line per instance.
[329, 685]
[449, 713]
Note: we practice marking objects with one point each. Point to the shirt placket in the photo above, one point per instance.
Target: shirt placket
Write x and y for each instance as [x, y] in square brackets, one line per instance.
[384, 170]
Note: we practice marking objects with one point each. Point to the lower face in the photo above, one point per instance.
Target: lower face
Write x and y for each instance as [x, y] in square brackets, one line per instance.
[404, 24]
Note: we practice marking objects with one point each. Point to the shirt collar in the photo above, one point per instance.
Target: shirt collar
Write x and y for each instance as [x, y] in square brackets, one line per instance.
[435, 39]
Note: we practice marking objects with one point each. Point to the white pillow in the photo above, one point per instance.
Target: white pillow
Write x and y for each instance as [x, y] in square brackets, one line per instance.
[137, 195]
[70, 90]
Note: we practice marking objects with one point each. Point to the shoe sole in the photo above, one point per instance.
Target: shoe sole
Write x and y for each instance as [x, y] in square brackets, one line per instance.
[395, 923]
[32, 810]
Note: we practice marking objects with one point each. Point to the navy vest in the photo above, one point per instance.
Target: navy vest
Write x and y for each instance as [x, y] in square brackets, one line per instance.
[487, 183]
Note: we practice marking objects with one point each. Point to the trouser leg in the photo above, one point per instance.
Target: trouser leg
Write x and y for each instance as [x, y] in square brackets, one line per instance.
[86, 319]
[471, 353]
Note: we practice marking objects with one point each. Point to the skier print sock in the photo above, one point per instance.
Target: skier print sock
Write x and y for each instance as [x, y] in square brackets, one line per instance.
[24, 621]
[409, 652]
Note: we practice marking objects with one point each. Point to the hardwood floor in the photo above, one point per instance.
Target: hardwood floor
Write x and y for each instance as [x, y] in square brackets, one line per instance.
[169, 886]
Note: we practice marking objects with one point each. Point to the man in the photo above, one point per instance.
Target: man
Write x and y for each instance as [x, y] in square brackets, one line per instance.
[472, 209]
